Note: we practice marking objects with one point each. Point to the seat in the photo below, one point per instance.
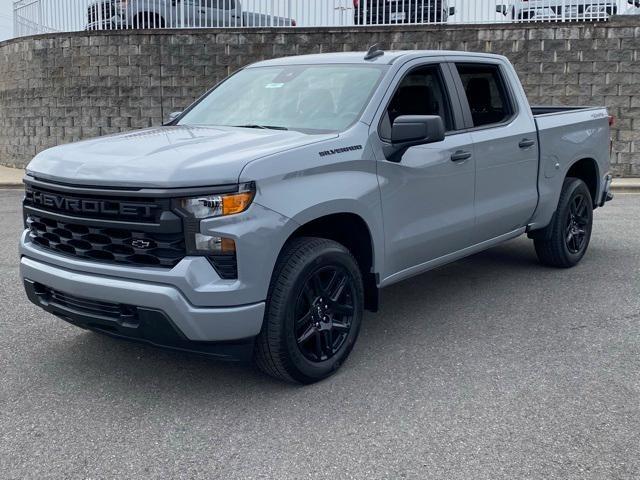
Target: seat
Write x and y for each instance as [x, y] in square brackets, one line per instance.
[413, 100]
[481, 102]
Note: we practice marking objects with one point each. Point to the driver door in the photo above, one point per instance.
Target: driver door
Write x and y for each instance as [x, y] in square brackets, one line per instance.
[428, 196]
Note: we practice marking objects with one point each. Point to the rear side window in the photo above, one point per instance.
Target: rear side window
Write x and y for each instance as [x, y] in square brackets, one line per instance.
[421, 92]
[486, 93]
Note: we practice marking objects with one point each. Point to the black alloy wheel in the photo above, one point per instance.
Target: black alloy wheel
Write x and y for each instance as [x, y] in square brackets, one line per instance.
[324, 313]
[577, 224]
[314, 310]
[564, 242]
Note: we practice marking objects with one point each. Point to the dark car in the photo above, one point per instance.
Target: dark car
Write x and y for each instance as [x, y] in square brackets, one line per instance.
[385, 12]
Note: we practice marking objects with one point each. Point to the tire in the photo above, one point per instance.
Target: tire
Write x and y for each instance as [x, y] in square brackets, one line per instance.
[566, 240]
[145, 21]
[312, 318]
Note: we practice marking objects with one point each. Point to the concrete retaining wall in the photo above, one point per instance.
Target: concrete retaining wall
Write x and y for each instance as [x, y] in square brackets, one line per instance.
[63, 87]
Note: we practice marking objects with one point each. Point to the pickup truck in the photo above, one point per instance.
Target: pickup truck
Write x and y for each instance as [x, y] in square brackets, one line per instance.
[143, 14]
[385, 12]
[263, 220]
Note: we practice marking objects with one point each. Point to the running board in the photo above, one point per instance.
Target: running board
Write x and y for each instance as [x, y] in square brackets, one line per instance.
[451, 257]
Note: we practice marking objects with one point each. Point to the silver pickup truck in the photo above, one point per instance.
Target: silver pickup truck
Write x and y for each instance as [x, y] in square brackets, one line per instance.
[262, 221]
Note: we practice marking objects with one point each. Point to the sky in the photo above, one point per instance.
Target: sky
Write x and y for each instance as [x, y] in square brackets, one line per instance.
[6, 19]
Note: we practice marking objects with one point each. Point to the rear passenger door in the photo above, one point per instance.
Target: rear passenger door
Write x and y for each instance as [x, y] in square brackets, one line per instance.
[505, 146]
[428, 195]
[211, 13]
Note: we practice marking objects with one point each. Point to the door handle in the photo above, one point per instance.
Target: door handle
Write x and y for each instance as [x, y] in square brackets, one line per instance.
[460, 156]
[526, 143]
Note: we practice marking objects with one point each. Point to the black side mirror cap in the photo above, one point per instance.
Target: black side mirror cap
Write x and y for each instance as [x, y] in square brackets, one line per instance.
[501, 9]
[411, 130]
[452, 11]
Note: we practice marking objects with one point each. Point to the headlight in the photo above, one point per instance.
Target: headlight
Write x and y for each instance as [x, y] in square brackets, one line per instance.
[209, 206]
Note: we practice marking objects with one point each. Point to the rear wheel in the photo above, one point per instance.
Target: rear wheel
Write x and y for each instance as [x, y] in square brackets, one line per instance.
[314, 312]
[566, 240]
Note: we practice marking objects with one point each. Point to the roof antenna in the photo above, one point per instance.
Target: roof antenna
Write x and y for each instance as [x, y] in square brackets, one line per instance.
[373, 52]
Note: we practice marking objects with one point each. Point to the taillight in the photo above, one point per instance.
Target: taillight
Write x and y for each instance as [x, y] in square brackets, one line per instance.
[612, 122]
[356, 3]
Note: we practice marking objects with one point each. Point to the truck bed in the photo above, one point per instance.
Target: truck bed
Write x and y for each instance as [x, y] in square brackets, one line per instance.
[549, 109]
[566, 135]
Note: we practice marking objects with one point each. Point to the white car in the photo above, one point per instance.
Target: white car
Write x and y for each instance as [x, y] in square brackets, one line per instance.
[539, 10]
[634, 8]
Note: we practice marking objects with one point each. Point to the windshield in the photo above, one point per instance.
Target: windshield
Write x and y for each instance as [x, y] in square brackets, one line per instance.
[307, 98]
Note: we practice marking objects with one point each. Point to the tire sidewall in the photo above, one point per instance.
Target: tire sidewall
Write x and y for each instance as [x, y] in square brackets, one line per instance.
[575, 187]
[303, 369]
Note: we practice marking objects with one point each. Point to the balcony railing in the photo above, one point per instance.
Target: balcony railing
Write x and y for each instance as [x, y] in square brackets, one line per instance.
[43, 16]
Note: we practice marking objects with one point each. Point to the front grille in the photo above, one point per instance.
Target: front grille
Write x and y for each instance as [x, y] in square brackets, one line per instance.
[119, 312]
[378, 12]
[109, 208]
[107, 244]
[101, 12]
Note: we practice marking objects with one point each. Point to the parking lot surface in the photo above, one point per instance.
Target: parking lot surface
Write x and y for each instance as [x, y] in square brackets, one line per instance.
[490, 368]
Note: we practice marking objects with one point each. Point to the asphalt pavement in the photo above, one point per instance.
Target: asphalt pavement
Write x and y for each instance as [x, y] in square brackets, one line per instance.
[491, 368]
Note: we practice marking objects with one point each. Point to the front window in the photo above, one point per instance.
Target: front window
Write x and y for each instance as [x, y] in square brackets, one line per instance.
[307, 98]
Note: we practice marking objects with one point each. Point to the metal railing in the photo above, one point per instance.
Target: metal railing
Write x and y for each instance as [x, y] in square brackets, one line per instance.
[43, 16]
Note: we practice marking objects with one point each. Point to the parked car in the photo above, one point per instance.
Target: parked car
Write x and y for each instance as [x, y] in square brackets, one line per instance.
[263, 220]
[122, 14]
[634, 7]
[374, 12]
[551, 10]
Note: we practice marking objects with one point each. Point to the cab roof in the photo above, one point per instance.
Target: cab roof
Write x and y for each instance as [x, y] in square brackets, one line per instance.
[388, 58]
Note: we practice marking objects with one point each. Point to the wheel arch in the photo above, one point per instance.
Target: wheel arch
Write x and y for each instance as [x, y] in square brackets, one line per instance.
[587, 170]
[352, 231]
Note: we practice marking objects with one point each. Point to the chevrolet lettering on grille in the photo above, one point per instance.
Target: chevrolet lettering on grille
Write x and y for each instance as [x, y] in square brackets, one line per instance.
[89, 206]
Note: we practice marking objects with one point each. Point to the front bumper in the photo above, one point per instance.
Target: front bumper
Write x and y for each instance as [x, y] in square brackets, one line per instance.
[193, 324]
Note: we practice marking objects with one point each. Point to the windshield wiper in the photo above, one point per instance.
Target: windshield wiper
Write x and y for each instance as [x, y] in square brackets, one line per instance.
[261, 127]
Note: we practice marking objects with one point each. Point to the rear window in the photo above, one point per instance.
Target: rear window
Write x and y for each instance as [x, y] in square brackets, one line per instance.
[487, 94]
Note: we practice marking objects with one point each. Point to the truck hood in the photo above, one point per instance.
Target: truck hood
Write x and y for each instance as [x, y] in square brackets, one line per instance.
[165, 157]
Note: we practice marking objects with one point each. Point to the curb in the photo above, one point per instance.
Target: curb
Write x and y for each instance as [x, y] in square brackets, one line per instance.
[626, 189]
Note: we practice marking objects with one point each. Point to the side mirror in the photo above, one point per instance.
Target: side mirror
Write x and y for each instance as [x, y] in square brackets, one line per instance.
[502, 9]
[172, 117]
[411, 130]
[452, 11]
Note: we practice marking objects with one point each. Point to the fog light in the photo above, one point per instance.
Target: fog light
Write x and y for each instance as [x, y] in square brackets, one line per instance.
[215, 245]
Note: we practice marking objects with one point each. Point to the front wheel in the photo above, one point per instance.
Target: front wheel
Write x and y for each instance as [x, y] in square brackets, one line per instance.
[314, 311]
[565, 241]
